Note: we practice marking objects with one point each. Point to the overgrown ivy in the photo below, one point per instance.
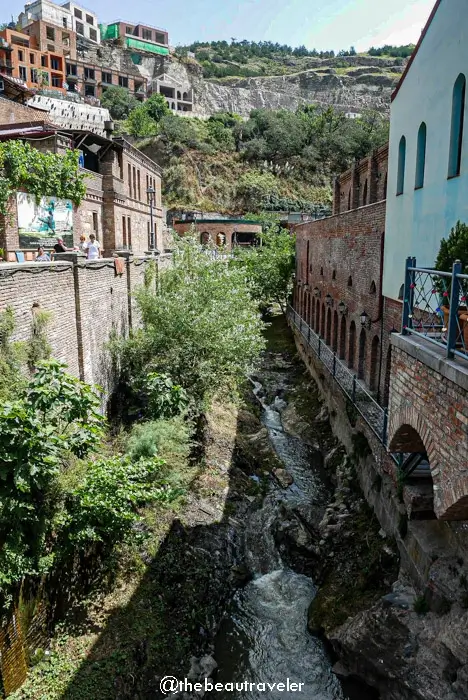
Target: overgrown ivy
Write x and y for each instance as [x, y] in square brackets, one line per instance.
[23, 167]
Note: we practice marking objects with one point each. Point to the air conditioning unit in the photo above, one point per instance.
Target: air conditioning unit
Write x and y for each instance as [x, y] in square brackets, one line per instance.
[2, 86]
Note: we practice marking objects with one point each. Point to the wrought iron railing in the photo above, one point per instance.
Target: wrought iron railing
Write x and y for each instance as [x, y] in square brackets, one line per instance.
[435, 307]
[374, 415]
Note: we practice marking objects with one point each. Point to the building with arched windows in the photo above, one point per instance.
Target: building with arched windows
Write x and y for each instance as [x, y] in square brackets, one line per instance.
[228, 233]
[428, 152]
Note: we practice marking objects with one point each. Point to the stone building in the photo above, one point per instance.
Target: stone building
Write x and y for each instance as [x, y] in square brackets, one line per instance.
[68, 16]
[375, 337]
[221, 232]
[116, 207]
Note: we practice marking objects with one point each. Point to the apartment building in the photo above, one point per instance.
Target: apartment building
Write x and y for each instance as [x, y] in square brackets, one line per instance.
[37, 58]
[141, 37]
[90, 80]
[67, 16]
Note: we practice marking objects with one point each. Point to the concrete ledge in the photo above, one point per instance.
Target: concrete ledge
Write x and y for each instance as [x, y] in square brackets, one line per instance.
[433, 357]
[32, 264]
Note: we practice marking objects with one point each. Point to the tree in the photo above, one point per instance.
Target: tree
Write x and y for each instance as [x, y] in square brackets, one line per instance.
[269, 267]
[156, 107]
[119, 101]
[453, 248]
[201, 326]
[139, 123]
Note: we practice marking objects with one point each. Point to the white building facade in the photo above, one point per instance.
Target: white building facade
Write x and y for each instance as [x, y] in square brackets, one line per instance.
[428, 154]
[69, 16]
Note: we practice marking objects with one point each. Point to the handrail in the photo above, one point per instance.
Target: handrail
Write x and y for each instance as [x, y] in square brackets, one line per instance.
[375, 415]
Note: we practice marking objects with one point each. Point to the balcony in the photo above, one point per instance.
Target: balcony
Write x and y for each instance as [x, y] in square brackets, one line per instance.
[435, 308]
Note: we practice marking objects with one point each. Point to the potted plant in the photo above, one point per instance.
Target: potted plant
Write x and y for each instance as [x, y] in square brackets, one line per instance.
[455, 247]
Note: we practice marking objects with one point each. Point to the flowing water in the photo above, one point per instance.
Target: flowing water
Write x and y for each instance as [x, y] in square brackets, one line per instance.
[264, 638]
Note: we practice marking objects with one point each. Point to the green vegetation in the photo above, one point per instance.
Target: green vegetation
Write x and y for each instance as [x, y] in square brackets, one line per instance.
[269, 267]
[144, 119]
[119, 101]
[200, 326]
[453, 248]
[392, 51]
[276, 160]
[40, 174]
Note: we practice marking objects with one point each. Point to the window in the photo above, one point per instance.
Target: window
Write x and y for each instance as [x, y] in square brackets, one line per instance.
[65, 22]
[364, 196]
[80, 28]
[90, 91]
[89, 74]
[321, 272]
[44, 63]
[147, 34]
[32, 58]
[78, 13]
[124, 231]
[93, 34]
[20, 55]
[129, 179]
[421, 157]
[34, 75]
[90, 19]
[128, 30]
[107, 77]
[55, 63]
[139, 186]
[373, 288]
[71, 69]
[456, 132]
[334, 275]
[160, 38]
[123, 81]
[50, 33]
[401, 166]
[350, 281]
[95, 221]
[23, 73]
[66, 38]
[134, 184]
[129, 231]
[56, 81]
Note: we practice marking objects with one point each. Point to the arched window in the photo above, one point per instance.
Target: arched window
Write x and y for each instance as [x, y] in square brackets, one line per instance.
[329, 327]
[335, 332]
[312, 319]
[401, 166]
[343, 338]
[421, 157]
[317, 318]
[334, 275]
[350, 281]
[220, 239]
[321, 271]
[373, 288]
[456, 132]
[364, 196]
[179, 96]
[385, 186]
[374, 374]
[307, 263]
[205, 238]
[362, 354]
[322, 324]
[352, 344]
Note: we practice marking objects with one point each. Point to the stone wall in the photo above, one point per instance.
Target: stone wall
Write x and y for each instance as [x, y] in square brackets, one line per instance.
[429, 413]
[338, 277]
[88, 302]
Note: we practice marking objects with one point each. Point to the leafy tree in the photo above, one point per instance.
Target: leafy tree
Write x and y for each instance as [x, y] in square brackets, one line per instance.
[201, 326]
[55, 415]
[256, 189]
[453, 248]
[164, 398]
[119, 101]
[269, 267]
[156, 107]
[139, 123]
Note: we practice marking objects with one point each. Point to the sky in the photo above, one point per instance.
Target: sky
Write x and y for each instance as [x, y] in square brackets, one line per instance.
[320, 24]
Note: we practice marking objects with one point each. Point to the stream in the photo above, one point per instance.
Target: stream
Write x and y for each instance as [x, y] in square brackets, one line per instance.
[264, 636]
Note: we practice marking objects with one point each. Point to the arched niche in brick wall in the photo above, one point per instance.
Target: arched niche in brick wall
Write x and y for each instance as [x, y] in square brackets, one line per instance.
[342, 352]
[352, 345]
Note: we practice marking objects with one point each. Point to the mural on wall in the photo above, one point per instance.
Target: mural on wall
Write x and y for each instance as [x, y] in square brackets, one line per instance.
[42, 223]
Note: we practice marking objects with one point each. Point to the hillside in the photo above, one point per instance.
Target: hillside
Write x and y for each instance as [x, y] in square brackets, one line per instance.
[276, 160]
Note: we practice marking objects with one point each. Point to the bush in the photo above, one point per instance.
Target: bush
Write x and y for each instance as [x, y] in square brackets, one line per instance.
[169, 439]
[139, 123]
[119, 101]
[104, 507]
[164, 398]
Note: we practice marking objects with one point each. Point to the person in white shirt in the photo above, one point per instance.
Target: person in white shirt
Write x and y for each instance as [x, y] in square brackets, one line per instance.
[92, 248]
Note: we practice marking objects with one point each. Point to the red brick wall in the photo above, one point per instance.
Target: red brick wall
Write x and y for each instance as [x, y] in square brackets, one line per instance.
[214, 228]
[365, 183]
[429, 412]
[87, 301]
[345, 262]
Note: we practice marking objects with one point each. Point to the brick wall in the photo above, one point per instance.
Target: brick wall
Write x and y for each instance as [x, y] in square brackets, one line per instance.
[338, 277]
[213, 228]
[429, 413]
[88, 302]
[13, 112]
[365, 183]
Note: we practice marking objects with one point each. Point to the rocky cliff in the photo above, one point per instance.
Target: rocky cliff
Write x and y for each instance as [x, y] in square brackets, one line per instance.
[352, 83]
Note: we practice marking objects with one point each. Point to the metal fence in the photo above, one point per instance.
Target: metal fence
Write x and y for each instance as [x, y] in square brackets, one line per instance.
[435, 307]
[374, 415]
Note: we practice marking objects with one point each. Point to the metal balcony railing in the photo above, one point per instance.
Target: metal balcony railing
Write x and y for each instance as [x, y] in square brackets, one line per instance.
[435, 307]
[375, 416]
